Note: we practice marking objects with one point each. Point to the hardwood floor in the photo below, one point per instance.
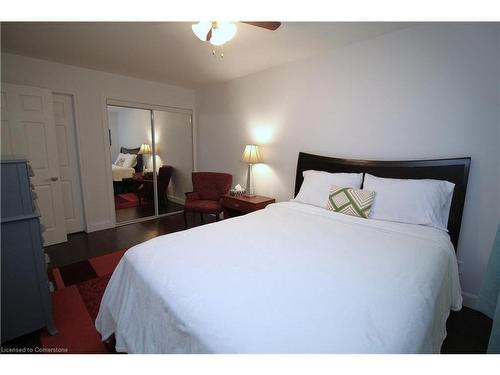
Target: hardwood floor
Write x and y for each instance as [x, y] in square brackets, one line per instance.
[81, 246]
[132, 213]
[126, 214]
[467, 330]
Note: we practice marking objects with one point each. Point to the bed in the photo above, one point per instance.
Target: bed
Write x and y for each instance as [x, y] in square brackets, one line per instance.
[120, 173]
[123, 176]
[293, 278]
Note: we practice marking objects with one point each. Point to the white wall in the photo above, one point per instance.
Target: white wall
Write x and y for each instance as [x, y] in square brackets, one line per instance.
[430, 91]
[91, 88]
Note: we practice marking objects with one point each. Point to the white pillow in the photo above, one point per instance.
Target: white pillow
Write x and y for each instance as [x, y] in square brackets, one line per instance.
[132, 160]
[423, 202]
[126, 160]
[316, 185]
[121, 160]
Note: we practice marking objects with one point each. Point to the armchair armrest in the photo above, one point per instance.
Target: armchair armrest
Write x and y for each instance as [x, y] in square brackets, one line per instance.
[192, 196]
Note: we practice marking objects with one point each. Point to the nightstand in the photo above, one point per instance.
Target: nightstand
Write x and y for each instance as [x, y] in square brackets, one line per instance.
[235, 206]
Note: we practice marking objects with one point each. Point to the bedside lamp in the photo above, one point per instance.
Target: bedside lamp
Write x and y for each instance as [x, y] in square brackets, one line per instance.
[145, 150]
[251, 155]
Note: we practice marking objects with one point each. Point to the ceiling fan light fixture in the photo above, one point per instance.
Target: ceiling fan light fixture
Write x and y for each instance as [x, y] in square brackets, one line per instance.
[222, 32]
[201, 29]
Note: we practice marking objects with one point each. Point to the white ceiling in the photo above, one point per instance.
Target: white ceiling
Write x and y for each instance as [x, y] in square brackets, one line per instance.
[169, 51]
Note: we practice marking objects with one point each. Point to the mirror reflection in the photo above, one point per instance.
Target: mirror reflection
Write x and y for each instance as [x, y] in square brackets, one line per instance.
[152, 161]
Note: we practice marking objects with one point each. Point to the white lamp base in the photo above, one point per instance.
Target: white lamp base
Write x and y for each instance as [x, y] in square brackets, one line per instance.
[249, 191]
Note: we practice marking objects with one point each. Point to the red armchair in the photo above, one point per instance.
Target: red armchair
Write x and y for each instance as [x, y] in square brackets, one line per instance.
[208, 188]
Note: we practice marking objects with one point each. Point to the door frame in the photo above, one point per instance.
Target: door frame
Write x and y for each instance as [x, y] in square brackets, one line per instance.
[107, 151]
[47, 176]
[74, 98]
[74, 94]
[79, 156]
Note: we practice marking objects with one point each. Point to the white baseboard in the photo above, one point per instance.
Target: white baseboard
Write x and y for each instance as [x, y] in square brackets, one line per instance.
[94, 227]
[175, 199]
[470, 300]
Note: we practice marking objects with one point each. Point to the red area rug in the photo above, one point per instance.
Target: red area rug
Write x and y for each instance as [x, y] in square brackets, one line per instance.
[126, 200]
[75, 303]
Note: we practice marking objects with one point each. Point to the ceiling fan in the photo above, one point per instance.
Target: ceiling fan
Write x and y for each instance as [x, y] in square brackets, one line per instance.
[218, 33]
[269, 25]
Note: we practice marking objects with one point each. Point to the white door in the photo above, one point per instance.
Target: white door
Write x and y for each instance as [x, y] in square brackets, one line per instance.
[68, 162]
[28, 130]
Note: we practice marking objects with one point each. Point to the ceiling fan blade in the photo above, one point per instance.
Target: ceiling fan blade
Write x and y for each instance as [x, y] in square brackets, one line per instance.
[265, 25]
[209, 35]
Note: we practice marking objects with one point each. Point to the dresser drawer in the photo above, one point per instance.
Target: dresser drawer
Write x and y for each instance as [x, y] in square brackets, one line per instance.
[25, 296]
[238, 205]
[16, 195]
[235, 206]
[24, 285]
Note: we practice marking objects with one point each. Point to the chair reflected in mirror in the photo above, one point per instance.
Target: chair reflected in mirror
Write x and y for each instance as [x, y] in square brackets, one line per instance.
[145, 192]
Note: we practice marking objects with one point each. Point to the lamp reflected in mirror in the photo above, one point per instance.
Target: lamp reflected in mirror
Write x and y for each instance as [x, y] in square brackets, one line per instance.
[145, 150]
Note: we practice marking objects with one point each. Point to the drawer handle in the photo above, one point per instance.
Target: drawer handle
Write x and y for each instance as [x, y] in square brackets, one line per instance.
[54, 178]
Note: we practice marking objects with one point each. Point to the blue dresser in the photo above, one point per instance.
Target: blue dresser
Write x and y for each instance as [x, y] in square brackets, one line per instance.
[26, 298]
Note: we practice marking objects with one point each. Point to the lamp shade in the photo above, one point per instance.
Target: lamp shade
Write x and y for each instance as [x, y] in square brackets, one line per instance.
[222, 32]
[252, 155]
[145, 149]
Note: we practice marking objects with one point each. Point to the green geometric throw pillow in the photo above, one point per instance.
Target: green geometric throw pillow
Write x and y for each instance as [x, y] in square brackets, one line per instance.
[354, 202]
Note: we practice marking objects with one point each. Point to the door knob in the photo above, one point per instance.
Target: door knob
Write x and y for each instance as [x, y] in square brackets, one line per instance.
[54, 178]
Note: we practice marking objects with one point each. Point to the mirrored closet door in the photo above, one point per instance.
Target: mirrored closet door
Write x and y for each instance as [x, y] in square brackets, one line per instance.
[174, 158]
[151, 161]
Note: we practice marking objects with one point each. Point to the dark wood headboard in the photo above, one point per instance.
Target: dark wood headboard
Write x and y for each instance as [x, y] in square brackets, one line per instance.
[454, 170]
[139, 166]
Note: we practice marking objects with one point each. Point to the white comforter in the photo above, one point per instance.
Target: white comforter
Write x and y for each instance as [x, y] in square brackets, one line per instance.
[288, 279]
[119, 173]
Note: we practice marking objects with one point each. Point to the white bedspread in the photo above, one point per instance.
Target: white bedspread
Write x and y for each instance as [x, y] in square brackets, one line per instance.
[291, 278]
[119, 173]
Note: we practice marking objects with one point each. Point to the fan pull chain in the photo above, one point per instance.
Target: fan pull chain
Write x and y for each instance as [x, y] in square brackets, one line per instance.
[214, 51]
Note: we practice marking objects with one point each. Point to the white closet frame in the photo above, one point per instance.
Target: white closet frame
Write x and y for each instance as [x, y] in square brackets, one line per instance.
[107, 151]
